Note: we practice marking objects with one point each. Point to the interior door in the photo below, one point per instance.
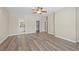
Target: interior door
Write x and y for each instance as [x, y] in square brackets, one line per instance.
[37, 26]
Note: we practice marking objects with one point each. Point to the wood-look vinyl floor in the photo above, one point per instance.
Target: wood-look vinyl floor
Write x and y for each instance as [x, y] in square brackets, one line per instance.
[37, 42]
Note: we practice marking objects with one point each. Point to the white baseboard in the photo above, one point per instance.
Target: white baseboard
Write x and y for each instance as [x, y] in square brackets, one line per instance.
[12, 34]
[77, 41]
[50, 33]
[20, 33]
[3, 39]
[65, 38]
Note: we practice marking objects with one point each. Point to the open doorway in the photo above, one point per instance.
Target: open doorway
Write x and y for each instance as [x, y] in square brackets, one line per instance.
[21, 26]
[37, 26]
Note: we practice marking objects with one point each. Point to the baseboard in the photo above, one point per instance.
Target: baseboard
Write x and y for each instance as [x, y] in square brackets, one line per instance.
[77, 41]
[50, 33]
[19, 33]
[3, 39]
[13, 34]
[65, 38]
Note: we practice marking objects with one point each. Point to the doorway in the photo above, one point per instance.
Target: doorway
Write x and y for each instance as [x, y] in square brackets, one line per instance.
[21, 26]
[37, 26]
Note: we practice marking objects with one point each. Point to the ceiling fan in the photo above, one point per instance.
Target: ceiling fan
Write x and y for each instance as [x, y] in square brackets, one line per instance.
[39, 10]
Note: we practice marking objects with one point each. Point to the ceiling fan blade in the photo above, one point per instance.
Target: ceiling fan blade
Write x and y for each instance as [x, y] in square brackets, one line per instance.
[39, 10]
[44, 11]
[35, 9]
[34, 12]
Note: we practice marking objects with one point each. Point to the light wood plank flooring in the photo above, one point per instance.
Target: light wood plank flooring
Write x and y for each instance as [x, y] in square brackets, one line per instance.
[37, 42]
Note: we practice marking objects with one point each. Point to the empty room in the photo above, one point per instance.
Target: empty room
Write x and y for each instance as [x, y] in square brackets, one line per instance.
[39, 29]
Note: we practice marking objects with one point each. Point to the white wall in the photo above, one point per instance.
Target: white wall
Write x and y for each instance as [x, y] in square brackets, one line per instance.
[3, 24]
[51, 23]
[65, 26]
[13, 25]
[43, 20]
[30, 22]
[77, 11]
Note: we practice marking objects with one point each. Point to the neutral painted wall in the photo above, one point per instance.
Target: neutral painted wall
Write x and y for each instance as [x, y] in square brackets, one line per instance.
[30, 22]
[77, 19]
[43, 20]
[13, 25]
[51, 23]
[65, 26]
[3, 24]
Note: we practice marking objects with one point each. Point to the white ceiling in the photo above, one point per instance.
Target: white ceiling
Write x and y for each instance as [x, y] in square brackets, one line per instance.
[28, 10]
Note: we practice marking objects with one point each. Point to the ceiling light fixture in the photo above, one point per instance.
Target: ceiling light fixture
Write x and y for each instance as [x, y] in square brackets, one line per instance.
[39, 10]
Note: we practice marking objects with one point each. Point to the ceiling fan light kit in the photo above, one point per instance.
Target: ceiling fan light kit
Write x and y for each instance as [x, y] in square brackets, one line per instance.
[39, 10]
